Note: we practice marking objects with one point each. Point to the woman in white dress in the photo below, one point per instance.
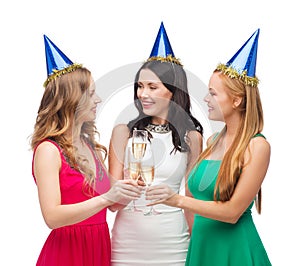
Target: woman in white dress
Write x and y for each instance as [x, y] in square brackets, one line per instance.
[162, 100]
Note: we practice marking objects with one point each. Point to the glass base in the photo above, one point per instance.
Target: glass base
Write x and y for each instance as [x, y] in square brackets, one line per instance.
[152, 211]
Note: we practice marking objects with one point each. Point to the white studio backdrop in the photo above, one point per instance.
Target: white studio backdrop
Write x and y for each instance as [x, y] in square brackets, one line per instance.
[107, 35]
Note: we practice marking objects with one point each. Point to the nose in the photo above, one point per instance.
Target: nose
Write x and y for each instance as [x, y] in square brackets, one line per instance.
[98, 99]
[143, 93]
[206, 98]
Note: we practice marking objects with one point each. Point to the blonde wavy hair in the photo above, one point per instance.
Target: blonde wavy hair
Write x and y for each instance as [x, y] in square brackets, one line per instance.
[59, 112]
[251, 124]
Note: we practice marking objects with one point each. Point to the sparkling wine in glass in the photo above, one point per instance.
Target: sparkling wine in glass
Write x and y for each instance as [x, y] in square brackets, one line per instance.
[133, 167]
[139, 143]
[147, 173]
[134, 171]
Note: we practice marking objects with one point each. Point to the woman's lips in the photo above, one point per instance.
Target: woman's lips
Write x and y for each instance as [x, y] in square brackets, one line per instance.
[147, 105]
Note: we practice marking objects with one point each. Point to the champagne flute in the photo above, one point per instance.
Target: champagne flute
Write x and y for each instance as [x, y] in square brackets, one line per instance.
[134, 170]
[147, 173]
[139, 143]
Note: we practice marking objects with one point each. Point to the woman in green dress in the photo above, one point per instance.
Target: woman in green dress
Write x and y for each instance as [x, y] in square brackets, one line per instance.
[227, 179]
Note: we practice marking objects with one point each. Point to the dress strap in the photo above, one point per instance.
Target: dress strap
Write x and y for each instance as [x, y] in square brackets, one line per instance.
[258, 135]
[99, 167]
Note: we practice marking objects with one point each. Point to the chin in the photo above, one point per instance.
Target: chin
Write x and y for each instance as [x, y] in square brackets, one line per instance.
[148, 112]
[91, 118]
[213, 118]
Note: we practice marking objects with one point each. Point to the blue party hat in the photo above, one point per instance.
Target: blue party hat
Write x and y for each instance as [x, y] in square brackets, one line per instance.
[243, 64]
[57, 62]
[162, 50]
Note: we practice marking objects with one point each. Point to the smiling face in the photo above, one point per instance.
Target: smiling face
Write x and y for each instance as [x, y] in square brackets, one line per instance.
[221, 105]
[154, 96]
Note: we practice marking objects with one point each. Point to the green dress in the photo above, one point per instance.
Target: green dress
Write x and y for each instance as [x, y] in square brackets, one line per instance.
[215, 243]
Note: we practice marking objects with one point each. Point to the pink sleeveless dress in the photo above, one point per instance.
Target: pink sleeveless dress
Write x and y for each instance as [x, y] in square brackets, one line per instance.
[86, 243]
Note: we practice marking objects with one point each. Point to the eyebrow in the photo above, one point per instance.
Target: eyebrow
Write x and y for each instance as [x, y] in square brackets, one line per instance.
[151, 82]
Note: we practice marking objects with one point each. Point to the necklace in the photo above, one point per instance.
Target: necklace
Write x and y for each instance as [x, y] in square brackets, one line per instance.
[158, 128]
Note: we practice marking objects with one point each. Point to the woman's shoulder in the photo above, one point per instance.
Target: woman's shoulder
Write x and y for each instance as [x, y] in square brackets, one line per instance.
[258, 147]
[121, 129]
[120, 134]
[48, 145]
[194, 136]
[47, 149]
[259, 141]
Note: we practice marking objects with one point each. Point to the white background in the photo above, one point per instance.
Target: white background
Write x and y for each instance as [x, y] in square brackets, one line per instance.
[106, 35]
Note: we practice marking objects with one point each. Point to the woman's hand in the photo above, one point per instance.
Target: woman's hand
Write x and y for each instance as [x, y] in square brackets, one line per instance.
[161, 193]
[123, 191]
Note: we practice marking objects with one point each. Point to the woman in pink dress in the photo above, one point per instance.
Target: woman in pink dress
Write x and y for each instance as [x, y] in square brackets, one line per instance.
[68, 168]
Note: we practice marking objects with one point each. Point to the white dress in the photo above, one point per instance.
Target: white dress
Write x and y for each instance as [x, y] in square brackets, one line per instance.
[158, 239]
